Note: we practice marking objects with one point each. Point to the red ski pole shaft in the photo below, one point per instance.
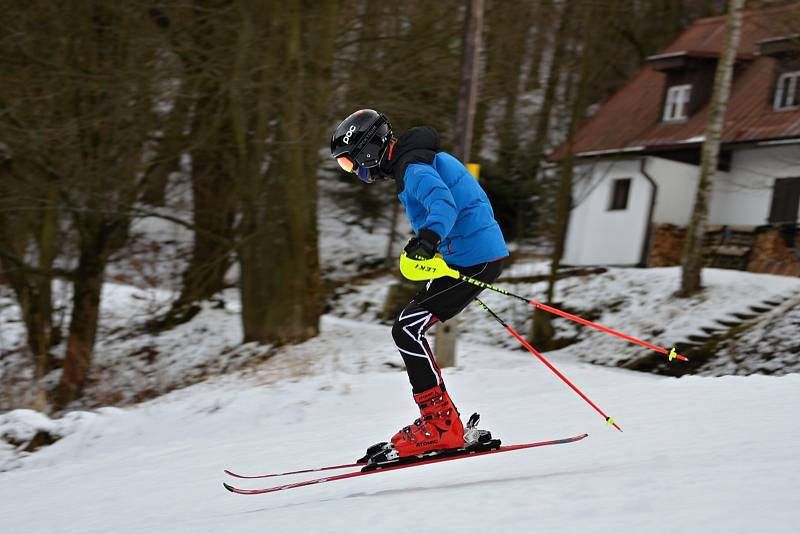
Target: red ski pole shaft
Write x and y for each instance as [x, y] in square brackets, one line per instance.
[581, 320]
[602, 328]
[559, 374]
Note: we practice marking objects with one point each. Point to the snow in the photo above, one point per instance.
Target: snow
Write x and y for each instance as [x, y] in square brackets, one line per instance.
[132, 364]
[770, 346]
[610, 151]
[695, 139]
[638, 302]
[158, 249]
[19, 427]
[349, 244]
[695, 452]
[13, 330]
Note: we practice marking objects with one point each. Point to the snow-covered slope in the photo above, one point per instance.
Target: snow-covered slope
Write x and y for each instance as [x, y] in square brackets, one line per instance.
[766, 346]
[698, 454]
[638, 302]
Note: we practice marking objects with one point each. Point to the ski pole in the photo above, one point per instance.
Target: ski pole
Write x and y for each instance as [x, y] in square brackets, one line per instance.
[421, 269]
[609, 420]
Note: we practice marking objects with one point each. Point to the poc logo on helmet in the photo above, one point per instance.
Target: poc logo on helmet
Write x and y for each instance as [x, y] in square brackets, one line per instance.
[349, 134]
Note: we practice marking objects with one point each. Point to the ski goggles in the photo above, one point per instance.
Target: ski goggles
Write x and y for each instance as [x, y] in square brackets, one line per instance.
[348, 165]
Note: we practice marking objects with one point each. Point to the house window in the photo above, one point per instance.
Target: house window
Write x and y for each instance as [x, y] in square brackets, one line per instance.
[785, 201]
[620, 190]
[787, 91]
[676, 107]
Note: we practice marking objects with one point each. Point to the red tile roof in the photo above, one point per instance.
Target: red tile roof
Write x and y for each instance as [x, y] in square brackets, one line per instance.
[631, 119]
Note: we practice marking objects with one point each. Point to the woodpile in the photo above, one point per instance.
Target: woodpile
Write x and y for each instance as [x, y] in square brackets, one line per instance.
[773, 249]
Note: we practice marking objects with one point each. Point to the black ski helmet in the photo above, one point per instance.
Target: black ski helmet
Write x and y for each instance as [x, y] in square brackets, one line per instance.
[361, 141]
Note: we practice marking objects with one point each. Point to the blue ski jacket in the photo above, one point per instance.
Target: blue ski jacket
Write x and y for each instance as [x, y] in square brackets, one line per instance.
[439, 194]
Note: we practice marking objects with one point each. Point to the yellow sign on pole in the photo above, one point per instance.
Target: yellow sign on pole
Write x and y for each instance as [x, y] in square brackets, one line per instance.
[474, 169]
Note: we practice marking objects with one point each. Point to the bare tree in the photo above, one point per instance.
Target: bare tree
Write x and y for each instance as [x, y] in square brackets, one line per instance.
[29, 244]
[200, 39]
[693, 251]
[277, 138]
[544, 113]
[80, 98]
[591, 30]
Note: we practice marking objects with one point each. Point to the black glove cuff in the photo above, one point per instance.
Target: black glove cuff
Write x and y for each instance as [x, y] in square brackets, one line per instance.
[430, 236]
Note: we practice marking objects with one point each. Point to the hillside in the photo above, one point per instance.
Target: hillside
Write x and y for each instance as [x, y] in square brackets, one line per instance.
[695, 451]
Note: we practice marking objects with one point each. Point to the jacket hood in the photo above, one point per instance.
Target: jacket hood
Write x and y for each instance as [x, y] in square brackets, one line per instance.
[418, 138]
[417, 145]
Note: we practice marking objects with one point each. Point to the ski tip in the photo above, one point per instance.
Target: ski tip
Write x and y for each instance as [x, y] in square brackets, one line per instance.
[228, 487]
[573, 438]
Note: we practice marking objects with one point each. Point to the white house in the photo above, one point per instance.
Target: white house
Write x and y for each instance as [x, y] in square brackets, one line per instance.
[637, 158]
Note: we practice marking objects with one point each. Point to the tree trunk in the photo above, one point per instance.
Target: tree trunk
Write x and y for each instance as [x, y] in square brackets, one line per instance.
[83, 326]
[279, 296]
[551, 85]
[213, 216]
[468, 89]
[535, 153]
[202, 109]
[100, 237]
[446, 334]
[691, 273]
[33, 294]
[32, 285]
[167, 161]
[542, 328]
[37, 314]
[280, 282]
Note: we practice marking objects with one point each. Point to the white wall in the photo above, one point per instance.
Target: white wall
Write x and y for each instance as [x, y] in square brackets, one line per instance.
[677, 183]
[743, 196]
[596, 235]
[740, 197]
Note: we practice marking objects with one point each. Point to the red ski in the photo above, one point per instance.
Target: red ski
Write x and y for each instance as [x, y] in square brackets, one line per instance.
[269, 475]
[390, 467]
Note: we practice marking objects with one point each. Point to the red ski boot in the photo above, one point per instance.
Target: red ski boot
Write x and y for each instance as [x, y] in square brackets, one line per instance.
[439, 426]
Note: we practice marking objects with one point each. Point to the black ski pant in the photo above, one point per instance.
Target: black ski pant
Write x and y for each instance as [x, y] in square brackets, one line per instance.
[442, 299]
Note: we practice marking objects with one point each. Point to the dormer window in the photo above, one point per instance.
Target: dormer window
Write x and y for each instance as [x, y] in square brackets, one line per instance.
[787, 91]
[676, 106]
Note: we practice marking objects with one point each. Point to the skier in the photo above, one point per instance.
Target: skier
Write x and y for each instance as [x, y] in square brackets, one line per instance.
[450, 214]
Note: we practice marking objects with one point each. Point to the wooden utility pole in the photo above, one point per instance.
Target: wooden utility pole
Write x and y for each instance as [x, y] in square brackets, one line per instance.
[693, 249]
[465, 118]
